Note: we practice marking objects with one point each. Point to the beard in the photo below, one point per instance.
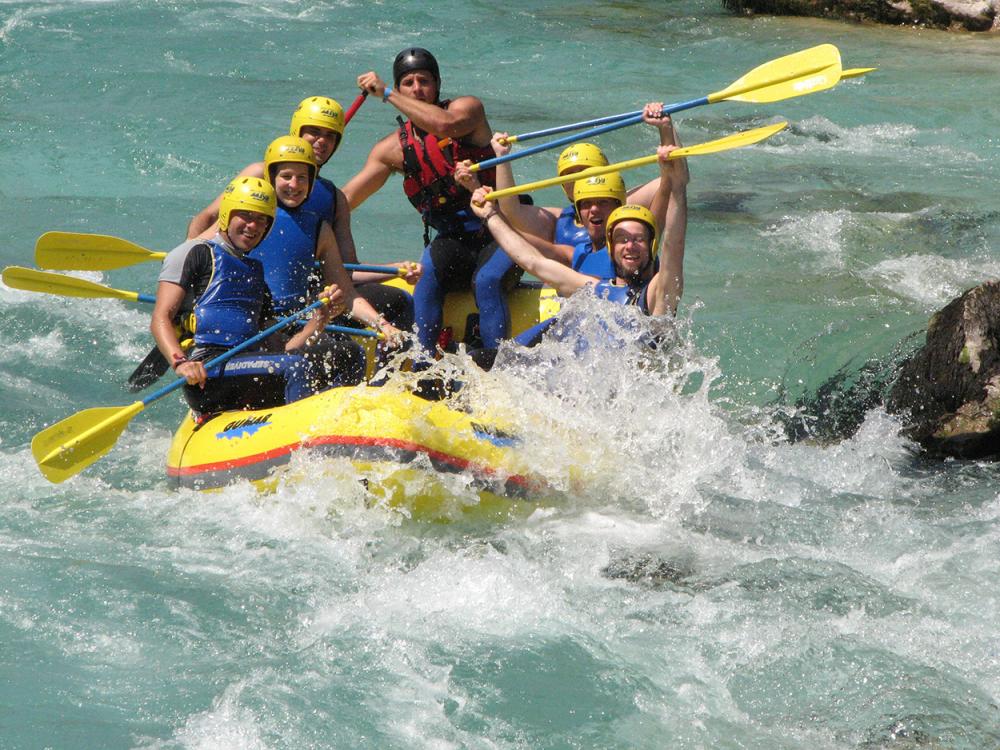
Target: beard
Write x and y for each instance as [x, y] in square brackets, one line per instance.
[632, 278]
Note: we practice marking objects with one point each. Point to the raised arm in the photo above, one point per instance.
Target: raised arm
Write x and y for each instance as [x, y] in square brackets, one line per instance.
[653, 115]
[564, 279]
[667, 286]
[465, 116]
[559, 253]
[525, 218]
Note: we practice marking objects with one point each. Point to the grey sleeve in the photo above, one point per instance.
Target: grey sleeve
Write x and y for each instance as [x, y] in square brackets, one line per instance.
[173, 264]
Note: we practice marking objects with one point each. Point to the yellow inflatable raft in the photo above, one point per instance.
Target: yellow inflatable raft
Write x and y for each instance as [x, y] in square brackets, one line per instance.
[409, 452]
[424, 455]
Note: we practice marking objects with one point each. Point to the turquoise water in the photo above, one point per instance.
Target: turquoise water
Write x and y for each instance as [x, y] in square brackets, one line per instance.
[712, 585]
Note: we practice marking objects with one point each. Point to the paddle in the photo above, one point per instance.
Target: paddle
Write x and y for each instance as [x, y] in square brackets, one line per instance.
[737, 140]
[75, 251]
[849, 73]
[148, 372]
[805, 72]
[30, 280]
[153, 365]
[355, 107]
[68, 447]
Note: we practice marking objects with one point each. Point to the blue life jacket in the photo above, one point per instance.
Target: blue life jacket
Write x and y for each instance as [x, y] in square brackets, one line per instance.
[322, 199]
[596, 263]
[568, 232]
[623, 294]
[288, 255]
[228, 311]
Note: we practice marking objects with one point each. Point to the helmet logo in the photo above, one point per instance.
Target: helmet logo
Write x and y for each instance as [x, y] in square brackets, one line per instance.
[262, 197]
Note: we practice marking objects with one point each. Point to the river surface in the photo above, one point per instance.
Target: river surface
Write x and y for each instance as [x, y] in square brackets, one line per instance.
[714, 584]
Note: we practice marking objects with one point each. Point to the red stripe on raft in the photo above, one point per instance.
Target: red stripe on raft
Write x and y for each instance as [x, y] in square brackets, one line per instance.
[405, 445]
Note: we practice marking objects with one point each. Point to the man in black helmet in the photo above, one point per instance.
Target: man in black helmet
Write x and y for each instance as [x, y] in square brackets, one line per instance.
[434, 137]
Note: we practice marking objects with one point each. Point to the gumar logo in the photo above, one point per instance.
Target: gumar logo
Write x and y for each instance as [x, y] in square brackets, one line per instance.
[329, 113]
[258, 196]
[242, 427]
[294, 148]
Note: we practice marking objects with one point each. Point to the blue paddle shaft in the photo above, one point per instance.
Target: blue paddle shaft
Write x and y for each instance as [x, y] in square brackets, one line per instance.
[587, 134]
[372, 269]
[575, 126]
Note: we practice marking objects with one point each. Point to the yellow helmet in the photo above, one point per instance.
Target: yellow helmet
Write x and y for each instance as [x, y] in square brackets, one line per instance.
[321, 112]
[631, 212]
[608, 185]
[247, 194]
[289, 148]
[582, 155]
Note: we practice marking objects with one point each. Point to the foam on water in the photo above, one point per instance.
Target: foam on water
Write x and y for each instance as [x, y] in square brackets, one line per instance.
[932, 281]
[695, 580]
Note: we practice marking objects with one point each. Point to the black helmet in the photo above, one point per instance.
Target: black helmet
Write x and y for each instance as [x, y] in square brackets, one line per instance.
[414, 58]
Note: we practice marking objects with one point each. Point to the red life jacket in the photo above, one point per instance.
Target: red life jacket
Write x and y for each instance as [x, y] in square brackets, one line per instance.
[427, 172]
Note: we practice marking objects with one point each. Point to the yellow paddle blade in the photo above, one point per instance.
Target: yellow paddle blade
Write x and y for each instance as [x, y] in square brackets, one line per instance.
[30, 280]
[806, 72]
[736, 140]
[855, 72]
[70, 446]
[73, 251]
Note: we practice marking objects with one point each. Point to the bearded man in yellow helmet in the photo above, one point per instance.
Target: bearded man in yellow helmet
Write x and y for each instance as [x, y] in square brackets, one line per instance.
[575, 235]
[633, 241]
[231, 303]
[319, 120]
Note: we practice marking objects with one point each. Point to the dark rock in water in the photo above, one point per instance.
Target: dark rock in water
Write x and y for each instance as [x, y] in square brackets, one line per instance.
[949, 391]
[840, 405]
[968, 15]
[647, 569]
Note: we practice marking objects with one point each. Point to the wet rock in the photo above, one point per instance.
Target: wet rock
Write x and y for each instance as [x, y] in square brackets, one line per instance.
[949, 391]
[647, 569]
[968, 15]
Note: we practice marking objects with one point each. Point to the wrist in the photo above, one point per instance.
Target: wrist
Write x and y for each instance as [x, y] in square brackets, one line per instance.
[178, 360]
[385, 94]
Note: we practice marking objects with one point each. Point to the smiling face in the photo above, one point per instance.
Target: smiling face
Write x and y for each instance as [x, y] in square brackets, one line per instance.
[594, 213]
[291, 183]
[420, 85]
[323, 140]
[630, 245]
[246, 229]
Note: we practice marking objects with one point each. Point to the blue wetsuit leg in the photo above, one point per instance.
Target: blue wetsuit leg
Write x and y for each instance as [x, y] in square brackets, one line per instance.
[428, 304]
[495, 275]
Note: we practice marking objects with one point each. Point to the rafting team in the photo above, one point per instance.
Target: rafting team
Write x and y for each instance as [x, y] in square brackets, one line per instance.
[279, 235]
